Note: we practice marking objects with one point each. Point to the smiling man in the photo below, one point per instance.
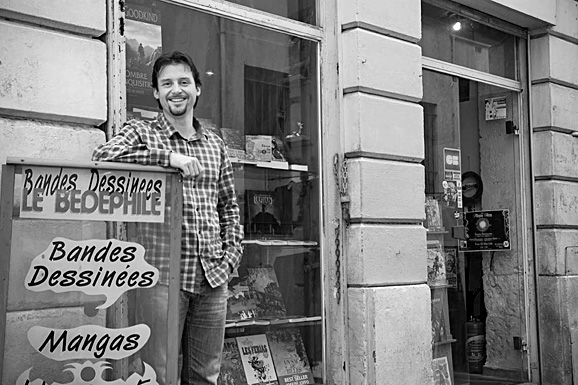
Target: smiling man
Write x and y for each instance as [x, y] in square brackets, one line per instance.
[211, 230]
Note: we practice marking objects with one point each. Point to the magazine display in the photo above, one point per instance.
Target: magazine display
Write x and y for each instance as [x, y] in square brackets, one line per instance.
[289, 357]
[257, 360]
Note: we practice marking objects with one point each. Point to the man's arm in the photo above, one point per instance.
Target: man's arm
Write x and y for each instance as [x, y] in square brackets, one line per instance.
[228, 208]
[128, 146]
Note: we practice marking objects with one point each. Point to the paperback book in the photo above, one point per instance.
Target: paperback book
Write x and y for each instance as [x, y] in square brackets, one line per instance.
[263, 213]
[433, 218]
[257, 360]
[255, 294]
[290, 357]
[232, 372]
[436, 268]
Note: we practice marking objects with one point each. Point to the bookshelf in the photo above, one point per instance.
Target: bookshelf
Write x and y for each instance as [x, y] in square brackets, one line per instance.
[442, 338]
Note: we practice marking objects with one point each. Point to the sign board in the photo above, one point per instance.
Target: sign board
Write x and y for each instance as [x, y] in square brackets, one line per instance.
[487, 230]
[92, 194]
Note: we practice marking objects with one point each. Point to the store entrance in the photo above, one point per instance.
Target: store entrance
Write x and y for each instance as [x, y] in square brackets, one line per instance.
[477, 254]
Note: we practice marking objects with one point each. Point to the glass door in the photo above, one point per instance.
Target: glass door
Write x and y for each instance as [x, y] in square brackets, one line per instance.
[476, 247]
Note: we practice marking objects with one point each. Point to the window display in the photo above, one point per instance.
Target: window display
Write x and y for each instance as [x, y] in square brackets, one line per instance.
[259, 94]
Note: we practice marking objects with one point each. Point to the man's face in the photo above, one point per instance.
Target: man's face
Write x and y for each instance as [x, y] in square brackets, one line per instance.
[177, 91]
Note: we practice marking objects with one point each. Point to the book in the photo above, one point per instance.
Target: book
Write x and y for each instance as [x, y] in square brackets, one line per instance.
[433, 218]
[289, 357]
[263, 213]
[257, 360]
[232, 372]
[255, 294]
[441, 371]
[143, 46]
[436, 268]
[208, 125]
[439, 323]
[258, 147]
[278, 149]
[234, 139]
[451, 261]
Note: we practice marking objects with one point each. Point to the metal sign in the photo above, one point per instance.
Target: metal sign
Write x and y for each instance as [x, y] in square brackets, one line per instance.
[487, 230]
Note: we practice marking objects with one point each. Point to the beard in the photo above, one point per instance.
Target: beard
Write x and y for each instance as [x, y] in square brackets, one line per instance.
[178, 111]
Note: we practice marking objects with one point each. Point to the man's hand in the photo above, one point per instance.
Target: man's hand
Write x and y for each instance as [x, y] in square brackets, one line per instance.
[189, 165]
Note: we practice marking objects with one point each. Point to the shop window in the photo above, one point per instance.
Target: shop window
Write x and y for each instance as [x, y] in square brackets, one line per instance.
[300, 10]
[450, 37]
[260, 95]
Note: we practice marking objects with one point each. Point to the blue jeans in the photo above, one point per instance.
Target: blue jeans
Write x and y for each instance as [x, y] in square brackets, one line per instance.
[201, 327]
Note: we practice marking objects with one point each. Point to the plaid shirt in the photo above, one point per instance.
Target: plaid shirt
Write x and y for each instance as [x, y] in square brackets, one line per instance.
[211, 231]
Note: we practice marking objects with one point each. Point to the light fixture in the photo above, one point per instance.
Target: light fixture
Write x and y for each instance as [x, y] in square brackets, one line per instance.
[457, 26]
[210, 73]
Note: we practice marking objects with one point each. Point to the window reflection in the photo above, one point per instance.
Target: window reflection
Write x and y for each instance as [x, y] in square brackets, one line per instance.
[300, 10]
[452, 38]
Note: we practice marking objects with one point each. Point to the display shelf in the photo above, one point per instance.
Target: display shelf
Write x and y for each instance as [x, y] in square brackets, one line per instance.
[446, 342]
[278, 322]
[279, 242]
[437, 232]
[275, 165]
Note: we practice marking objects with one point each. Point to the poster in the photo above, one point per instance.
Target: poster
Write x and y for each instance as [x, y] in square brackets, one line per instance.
[143, 46]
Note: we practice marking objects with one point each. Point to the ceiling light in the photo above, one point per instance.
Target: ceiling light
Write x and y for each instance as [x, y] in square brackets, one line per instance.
[457, 26]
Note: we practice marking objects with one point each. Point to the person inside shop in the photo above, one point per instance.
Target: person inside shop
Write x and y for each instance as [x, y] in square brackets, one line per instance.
[211, 229]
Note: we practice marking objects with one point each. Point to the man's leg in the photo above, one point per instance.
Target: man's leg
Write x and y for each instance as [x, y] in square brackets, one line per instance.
[152, 307]
[204, 336]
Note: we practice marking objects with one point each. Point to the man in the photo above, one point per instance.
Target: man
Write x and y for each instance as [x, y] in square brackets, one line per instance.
[211, 230]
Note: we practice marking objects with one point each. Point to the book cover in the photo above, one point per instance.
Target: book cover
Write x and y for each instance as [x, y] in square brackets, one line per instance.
[436, 268]
[208, 125]
[433, 218]
[263, 213]
[451, 261]
[278, 149]
[233, 138]
[290, 357]
[438, 320]
[255, 294]
[257, 360]
[258, 147]
[143, 38]
[232, 372]
[441, 371]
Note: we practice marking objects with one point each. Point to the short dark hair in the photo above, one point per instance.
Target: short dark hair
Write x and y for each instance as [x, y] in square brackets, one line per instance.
[175, 57]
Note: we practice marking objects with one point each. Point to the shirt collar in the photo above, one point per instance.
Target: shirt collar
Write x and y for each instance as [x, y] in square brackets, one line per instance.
[163, 123]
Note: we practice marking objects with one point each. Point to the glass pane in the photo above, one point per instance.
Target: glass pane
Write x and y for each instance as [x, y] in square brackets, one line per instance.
[449, 37]
[300, 10]
[475, 276]
[73, 310]
[260, 95]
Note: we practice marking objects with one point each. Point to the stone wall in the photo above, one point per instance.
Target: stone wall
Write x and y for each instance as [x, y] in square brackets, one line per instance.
[554, 115]
[389, 303]
[53, 97]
